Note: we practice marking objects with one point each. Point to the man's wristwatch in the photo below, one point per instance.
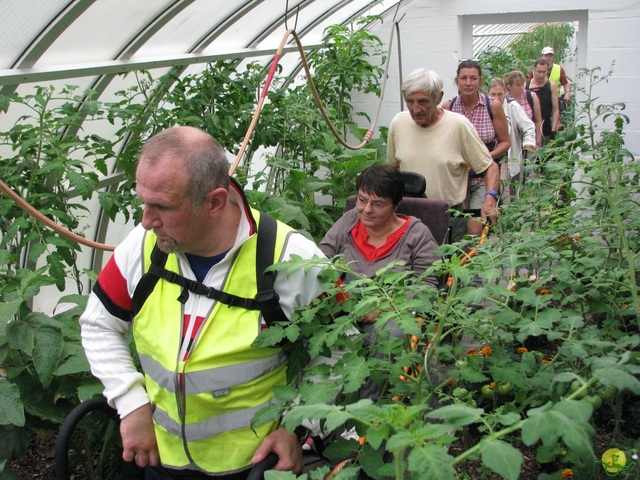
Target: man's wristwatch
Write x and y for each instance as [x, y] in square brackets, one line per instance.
[493, 193]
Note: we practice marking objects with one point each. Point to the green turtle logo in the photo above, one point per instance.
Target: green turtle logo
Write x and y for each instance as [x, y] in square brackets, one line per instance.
[614, 461]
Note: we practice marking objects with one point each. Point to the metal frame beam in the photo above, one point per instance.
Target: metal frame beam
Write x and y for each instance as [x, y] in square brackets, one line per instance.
[17, 76]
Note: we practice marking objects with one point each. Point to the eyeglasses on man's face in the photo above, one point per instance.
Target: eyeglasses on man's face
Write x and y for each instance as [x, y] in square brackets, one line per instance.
[375, 204]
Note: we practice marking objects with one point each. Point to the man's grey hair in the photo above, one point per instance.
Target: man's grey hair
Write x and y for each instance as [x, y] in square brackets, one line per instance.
[203, 158]
[422, 80]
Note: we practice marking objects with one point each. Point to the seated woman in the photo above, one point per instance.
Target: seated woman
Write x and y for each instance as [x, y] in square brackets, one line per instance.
[373, 235]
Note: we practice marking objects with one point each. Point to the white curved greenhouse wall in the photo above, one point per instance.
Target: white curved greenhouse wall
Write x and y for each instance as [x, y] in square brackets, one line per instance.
[436, 34]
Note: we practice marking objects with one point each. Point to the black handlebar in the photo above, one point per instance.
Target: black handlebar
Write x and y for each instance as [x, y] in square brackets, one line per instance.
[69, 425]
[257, 472]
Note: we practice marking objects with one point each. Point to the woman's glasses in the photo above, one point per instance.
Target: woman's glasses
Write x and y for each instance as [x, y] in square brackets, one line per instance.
[375, 204]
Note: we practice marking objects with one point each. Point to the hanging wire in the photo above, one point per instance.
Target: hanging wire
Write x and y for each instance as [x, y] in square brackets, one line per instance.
[316, 97]
[397, 28]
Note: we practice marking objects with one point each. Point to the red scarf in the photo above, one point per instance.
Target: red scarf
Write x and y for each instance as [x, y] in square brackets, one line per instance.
[360, 235]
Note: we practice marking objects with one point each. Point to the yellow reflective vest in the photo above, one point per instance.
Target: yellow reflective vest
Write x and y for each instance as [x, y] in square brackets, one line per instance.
[204, 400]
[554, 76]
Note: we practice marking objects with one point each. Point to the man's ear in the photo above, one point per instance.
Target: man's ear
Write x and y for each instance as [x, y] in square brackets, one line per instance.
[217, 199]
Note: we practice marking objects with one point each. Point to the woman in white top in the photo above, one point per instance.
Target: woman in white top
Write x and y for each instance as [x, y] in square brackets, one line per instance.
[522, 133]
[515, 85]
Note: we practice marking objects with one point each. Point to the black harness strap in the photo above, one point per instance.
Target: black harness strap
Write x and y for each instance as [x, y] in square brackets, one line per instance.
[148, 281]
[267, 300]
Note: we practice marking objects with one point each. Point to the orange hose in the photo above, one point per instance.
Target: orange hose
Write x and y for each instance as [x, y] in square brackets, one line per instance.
[314, 92]
[18, 200]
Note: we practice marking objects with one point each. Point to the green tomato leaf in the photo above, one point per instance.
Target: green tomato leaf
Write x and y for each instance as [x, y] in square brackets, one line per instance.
[502, 458]
[47, 353]
[356, 374]
[75, 361]
[432, 462]
[21, 336]
[12, 411]
[457, 414]
[89, 389]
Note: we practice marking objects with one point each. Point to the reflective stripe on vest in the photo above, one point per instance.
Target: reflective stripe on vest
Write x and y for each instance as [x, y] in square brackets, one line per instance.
[211, 380]
[204, 422]
[215, 425]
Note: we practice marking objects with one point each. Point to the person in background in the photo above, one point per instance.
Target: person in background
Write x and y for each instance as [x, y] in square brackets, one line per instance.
[547, 92]
[557, 75]
[189, 415]
[373, 235]
[490, 122]
[441, 146]
[515, 82]
[521, 133]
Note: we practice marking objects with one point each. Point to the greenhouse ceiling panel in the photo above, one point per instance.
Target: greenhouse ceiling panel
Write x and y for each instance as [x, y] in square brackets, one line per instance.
[58, 39]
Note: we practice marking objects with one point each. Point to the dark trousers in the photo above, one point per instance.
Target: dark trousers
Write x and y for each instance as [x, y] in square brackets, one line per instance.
[162, 473]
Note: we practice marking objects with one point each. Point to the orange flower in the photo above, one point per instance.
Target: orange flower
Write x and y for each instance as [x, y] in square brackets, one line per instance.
[544, 361]
[493, 384]
[451, 382]
[472, 352]
[485, 351]
[522, 350]
[543, 291]
[567, 473]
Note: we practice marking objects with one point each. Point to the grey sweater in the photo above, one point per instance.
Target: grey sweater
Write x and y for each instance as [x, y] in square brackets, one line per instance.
[416, 247]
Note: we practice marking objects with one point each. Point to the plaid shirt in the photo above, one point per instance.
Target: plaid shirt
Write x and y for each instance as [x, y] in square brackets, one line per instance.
[481, 120]
[479, 117]
[524, 103]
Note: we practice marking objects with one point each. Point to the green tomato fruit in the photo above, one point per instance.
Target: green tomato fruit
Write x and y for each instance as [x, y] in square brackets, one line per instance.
[607, 392]
[575, 386]
[487, 391]
[504, 389]
[460, 392]
[594, 400]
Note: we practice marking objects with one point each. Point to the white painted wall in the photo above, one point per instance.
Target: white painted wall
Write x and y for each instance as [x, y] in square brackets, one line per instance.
[434, 34]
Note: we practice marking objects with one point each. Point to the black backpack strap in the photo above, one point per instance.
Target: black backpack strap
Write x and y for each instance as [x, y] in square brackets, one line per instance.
[148, 281]
[489, 109]
[452, 102]
[267, 300]
[529, 97]
[198, 288]
[267, 297]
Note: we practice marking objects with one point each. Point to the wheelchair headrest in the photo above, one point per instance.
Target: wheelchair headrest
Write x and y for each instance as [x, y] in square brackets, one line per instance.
[415, 185]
